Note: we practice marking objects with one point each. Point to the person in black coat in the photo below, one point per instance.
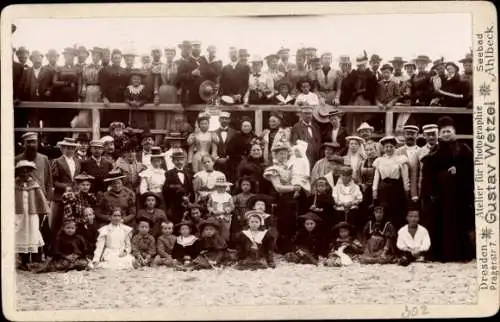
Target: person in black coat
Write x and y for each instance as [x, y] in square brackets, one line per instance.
[334, 131]
[97, 167]
[234, 76]
[239, 147]
[253, 165]
[189, 76]
[225, 133]
[178, 187]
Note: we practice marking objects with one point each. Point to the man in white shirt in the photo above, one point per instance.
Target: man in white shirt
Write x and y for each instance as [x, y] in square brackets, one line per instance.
[410, 150]
[413, 239]
[147, 143]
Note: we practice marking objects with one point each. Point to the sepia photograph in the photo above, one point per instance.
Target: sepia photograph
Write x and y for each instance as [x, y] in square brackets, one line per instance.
[168, 161]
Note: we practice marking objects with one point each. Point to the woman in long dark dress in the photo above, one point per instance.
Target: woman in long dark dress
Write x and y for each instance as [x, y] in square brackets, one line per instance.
[238, 147]
[253, 165]
[66, 86]
[451, 168]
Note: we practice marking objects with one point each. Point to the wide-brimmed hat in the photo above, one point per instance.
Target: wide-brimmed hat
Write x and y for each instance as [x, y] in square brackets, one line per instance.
[356, 138]
[362, 59]
[450, 63]
[26, 164]
[84, 177]
[343, 224]
[272, 56]
[253, 213]
[389, 139]
[227, 100]
[281, 146]
[386, 66]
[175, 136]
[113, 175]
[96, 144]
[242, 52]
[422, 58]
[106, 139]
[146, 133]
[82, 137]
[322, 113]
[256, 59]
[29, 136]
[411, 128]
[410, 63]
[208, 222]
[438, 62]
[183, 223]
[375, 58]
[365, 126]
[466, 59]
[178, 154]
[268, 201]
[397, 59]
[283, 50]
[222, 182]
[207, 90]
[67, 142]
[311, 216]
[145, 195]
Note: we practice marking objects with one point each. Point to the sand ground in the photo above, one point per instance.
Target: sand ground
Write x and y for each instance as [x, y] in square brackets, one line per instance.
[423, 283]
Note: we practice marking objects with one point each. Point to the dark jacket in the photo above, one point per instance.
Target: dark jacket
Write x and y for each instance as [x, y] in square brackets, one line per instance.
[113, 82]
[187, 82]
[300, 132]
[17, 77]
[61, 176]
[99, 172]
[341, 135]
[234, 81]
[174, 190]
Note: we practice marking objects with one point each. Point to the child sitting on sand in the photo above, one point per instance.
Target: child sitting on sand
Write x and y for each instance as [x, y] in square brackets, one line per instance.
[378, 238]
[187, 246]
[143, 244]
[113, 244]
[164, 245]
[309, 242]
[345, 249]
[413, 240]
[255, 245]
[195, 215]
[152, 212]
[213, 248]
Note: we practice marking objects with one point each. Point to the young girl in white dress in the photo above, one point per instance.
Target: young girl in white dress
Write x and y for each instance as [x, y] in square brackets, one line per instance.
[114, 244]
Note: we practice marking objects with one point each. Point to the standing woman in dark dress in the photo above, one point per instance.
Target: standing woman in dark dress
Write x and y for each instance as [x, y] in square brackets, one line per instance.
[253, 165]
[453, 90]
[66, 86]
[451, 168]
[238, 147]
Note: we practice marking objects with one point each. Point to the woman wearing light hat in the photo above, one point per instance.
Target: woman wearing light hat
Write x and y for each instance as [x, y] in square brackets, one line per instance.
[153, 178]
[260, 85]
[391, 182]
[354, 156]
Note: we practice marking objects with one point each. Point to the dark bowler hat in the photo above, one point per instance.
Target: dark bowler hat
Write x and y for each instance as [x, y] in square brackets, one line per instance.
[445, 121]
[178, 154]
[144, 196]
[398, 59]
[146, 133]
[209, 222]
[450, 63]
[268, 201]
[69, 51]
[185, 44]
[375, 58]
[22, 49]
[343, 224]
[422, 58]
[82, 49]
[183, 223]
[467, 59]
[333, 145]
[82, 137]
[137, 72]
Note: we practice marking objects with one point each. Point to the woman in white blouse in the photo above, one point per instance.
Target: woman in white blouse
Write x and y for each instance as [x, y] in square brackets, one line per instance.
[153, 179]
[391, 184]
[354, 156]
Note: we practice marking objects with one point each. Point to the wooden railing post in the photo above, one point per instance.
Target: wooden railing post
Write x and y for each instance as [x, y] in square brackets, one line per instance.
[96, 124]
[258, 121]
[389, 122]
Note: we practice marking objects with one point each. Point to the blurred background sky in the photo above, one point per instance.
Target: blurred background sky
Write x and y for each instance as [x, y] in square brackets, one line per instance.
[389, 35]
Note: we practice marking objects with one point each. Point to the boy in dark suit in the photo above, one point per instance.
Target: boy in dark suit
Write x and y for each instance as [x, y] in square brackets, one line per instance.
[97, 167]
[308, 131]
[178, 187]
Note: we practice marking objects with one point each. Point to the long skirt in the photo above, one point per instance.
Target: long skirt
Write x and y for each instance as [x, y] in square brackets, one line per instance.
[112, 260]
[286, 213]
[167, 95]
[28, 235]
[392, 194]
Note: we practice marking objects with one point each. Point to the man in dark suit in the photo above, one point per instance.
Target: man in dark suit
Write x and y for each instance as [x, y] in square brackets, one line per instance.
[334, 131]
[224, 133]
[234, 76]
[97, 167]
[178, 187]
[211, 67]
[63, 169]
[374, 66]
[306, 130]
[189, 76]
[46, 81]
[144, 156]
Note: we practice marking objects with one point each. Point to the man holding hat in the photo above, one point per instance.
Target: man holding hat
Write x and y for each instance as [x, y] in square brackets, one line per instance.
[189, 75]
[178, 187]
[42, 174]
[97, 167]
[173, 142]
[306, 130]
[224, 133]
[410, 153]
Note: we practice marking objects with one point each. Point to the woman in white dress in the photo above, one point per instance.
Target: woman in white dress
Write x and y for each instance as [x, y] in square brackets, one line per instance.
[202, 142]
[114, 245]
[153, 178]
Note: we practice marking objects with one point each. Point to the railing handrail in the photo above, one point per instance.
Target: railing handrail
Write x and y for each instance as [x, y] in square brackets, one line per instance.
[257, 109]
[240, 108]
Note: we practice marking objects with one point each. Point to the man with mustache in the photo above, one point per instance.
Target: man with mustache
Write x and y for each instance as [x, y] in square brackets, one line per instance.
[42, 174]
[409, 152]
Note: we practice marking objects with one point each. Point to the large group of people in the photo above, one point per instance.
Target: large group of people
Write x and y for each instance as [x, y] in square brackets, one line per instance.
[231, 198]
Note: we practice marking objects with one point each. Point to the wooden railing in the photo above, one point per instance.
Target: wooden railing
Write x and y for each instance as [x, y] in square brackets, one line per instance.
[257, 109]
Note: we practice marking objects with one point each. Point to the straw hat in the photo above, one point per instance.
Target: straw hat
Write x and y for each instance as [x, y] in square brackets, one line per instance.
[67, 142]
[397, 59]
[411, 128]
[222, 182]
[29, 136]
[114, 175]
[84, 177]
[26, 164]
[365, 126]
[389, 139]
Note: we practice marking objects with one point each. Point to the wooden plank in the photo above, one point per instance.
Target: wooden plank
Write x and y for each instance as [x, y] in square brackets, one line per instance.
[52, 129]
[236, 108]
[259, 122]
[389, 122]
[96, 124]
